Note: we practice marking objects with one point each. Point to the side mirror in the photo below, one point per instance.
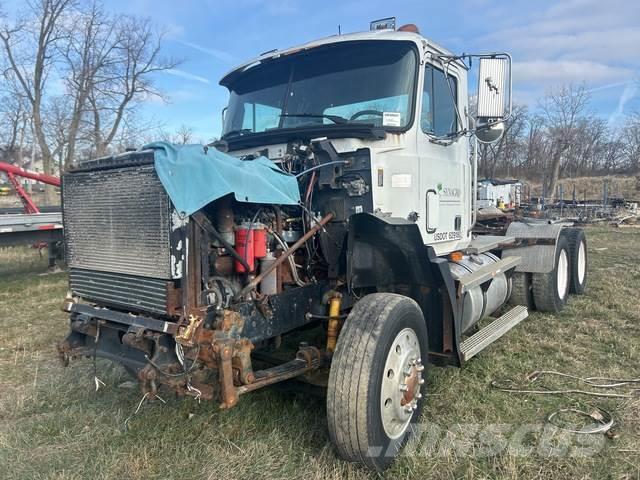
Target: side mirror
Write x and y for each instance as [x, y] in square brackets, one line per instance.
[489, 132]
[494, 97]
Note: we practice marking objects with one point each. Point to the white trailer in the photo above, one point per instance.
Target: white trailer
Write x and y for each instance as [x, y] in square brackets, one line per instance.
[492, 191]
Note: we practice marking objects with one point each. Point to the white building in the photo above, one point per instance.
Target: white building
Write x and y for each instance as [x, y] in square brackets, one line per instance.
[491, 190]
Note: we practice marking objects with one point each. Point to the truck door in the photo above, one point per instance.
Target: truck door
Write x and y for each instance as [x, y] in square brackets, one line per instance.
[444, 168]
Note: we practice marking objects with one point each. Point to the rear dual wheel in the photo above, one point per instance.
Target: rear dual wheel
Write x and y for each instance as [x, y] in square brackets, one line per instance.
[578, 259]
[374, 396]
[551, 290]
[522, 290]
[548, 292]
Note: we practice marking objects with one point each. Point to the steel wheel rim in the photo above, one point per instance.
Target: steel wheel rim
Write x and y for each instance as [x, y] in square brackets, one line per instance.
[401, 382]
[562, 273]
[582, 263]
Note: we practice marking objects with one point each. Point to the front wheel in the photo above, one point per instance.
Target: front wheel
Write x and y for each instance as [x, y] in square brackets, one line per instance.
[374, 396]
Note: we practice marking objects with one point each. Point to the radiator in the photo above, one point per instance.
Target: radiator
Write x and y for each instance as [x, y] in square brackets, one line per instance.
[118, 220]
[120, 290]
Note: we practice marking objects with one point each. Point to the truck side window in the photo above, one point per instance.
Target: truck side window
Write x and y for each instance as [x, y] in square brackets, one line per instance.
[438, 115]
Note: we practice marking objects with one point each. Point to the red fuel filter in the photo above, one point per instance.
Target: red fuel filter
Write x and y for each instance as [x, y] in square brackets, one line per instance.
[251, 243]
[259, 241]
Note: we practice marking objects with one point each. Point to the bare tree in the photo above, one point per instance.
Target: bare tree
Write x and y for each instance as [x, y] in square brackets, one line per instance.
[106, 63]
[127, 80]
[58, 112]
[631, 143]
[185, 135]
[503, 155]
[586, 151]
[14, 121]
[87, 53]
[613, 154]
[29, 47]
[561, 109]
[181, 136]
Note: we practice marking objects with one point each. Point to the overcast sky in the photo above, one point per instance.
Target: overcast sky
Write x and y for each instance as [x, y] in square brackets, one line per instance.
[552, 42]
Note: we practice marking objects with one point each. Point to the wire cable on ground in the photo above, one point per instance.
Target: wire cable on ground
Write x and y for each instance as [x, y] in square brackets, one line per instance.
[137, 410]
[604, 420]
[506, 388]
[592, 381]
[611, 383]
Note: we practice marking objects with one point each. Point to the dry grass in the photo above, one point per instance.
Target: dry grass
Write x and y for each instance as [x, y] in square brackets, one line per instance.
[54, 425]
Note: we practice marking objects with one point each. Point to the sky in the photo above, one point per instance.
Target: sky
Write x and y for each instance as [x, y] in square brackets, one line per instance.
[552, 43]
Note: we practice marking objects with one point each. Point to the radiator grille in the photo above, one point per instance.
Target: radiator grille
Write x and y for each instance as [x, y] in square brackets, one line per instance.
[132, 292]
[117, 220]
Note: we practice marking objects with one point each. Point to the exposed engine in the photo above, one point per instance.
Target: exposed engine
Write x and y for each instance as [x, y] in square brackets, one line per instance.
[233, 273]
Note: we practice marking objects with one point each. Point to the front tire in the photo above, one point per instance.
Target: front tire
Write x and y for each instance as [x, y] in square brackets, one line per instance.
[376, 379]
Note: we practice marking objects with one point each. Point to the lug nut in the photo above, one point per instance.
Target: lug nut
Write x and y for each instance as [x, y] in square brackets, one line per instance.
[420, 368]
[421, 381]
[418, 395]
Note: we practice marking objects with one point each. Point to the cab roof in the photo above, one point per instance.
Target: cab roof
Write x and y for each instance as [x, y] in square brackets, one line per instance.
[416, 38]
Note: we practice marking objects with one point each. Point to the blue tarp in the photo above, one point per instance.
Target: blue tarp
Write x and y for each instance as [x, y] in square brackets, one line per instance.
[193, 178]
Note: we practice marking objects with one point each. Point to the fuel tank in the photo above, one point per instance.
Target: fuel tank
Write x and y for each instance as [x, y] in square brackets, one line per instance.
[477, 303]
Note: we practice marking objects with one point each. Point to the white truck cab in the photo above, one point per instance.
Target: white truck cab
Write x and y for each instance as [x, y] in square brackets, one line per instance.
[422, 169]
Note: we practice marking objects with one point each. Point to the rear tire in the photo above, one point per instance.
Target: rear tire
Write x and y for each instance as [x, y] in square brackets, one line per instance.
[375, 382]
[521, 290]
[551, 290]
[578, 260]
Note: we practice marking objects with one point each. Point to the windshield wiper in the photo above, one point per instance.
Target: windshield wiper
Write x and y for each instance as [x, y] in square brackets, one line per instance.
[237, 132]
[337, 119]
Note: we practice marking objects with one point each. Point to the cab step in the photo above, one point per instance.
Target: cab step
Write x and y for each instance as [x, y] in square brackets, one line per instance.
[489, 334]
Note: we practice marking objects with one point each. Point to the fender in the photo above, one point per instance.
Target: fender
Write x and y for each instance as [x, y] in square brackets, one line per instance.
[388, 254]
[536, 258]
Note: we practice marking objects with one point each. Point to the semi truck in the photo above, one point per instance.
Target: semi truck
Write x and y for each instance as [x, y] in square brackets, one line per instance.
[327, 237]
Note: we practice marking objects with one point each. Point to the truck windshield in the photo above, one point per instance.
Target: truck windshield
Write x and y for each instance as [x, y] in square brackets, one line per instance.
[368, 82]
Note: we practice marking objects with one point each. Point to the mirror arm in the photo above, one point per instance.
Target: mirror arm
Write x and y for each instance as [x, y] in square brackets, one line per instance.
[510, 86]
[223, 115]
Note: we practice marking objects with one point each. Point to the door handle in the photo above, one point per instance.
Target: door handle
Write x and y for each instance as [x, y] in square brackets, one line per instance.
[428, 217]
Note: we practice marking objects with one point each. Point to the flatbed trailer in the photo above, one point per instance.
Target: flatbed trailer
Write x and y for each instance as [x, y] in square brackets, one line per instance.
[33, 229]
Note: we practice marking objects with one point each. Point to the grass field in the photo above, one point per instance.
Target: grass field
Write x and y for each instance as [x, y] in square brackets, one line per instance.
[53, 424]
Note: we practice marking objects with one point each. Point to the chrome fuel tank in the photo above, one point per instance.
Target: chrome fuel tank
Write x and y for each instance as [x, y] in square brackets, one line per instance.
[477, 303]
